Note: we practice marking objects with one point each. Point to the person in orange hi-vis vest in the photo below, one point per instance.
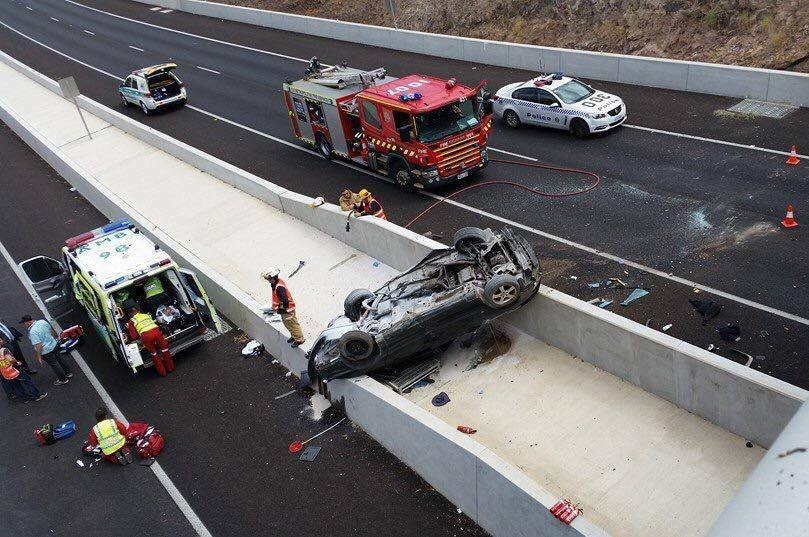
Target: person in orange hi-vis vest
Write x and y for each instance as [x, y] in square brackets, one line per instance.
[284, 305]
[369, 206]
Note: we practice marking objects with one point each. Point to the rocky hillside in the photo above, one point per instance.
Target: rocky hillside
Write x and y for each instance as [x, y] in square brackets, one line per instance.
[756, 33]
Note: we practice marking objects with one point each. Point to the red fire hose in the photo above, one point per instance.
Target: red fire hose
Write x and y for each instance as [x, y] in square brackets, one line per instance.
[597, 181]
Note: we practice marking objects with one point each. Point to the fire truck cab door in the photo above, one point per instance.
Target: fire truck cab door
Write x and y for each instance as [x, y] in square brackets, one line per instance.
[302, 114]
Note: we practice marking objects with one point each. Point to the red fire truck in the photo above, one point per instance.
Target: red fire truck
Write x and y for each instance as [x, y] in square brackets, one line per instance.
[420, 131]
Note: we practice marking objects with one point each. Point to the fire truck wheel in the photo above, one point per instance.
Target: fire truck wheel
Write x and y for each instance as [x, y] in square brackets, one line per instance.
[324, 147]
[512, 119]
[400, 175]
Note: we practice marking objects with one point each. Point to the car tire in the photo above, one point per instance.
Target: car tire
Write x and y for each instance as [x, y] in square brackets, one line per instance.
[467, 235]
[123, 100]
[511, 119]
[352, 306]
[324, 147]
[401, 176]
[502, 291]
[144, 108]
[579, 128]
[356, 347]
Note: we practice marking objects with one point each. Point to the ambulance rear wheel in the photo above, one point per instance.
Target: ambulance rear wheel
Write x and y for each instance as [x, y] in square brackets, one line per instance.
[324, 147]
[401, 176]
[511, 118]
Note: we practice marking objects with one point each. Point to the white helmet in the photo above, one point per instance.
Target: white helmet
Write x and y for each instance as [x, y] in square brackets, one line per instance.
[270, 272]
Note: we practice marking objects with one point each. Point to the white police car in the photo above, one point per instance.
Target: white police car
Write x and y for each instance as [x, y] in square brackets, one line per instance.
[153, 87]
[560, 102]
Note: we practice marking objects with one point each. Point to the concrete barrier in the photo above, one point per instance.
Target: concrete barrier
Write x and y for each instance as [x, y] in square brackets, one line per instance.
[712, 78]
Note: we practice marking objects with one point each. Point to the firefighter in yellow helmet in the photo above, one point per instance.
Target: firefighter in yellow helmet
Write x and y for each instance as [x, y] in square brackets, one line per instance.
[369, 206]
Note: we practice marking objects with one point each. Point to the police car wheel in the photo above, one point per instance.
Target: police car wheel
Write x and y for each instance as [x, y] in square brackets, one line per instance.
[512, 119]
[123, 99]
[579, 128]
[144, 108]
[324, 147]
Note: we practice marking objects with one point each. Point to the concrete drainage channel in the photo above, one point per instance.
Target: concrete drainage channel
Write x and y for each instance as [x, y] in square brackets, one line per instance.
[499, 497]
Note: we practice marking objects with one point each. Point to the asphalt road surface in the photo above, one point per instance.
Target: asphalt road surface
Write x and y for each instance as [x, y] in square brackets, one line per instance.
[226, 434]
[702, 208]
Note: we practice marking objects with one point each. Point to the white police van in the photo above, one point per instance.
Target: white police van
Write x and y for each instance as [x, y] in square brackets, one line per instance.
[559, 102]
[106, 268]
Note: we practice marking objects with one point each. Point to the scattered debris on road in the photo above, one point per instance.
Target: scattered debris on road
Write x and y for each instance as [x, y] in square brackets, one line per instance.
[792, 451]
[300, 266]
[667, 327]
[290, 392]
[252, 349]
[297, 445]
[605, 303]
[310, 453]
[708, 309]
[441, 399]
[634, 295]
[730, 332]
[466, 429]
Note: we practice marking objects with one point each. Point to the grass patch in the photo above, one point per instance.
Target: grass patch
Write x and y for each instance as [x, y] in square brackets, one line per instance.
[727, 114]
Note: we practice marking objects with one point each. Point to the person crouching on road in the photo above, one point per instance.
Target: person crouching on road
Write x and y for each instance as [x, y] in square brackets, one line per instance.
[349, 200]
[369, 206]
[284, 305]
[142, 325]
[110, 436]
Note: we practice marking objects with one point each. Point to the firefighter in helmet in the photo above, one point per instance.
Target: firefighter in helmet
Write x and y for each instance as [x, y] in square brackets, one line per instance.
[369, 206]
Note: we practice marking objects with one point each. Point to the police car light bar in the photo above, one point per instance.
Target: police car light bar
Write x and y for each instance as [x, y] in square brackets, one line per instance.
[87, 236]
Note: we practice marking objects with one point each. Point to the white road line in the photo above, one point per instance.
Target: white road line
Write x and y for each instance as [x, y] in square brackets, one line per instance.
[88, 32]
[209, 70]
[210, 39]
[54, 19]
[638, 127]
[164, 479]
[513, 154]
[154, 8]
[712, 140]
[166, 10]
[136, 48]
[579, 246]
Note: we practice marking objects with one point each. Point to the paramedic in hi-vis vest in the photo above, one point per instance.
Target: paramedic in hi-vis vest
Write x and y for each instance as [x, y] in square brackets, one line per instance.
[110, 435]
[142, 325]
[284, 305]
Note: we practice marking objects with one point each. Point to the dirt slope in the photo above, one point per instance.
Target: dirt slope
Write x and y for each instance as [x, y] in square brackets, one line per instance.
[756, 33]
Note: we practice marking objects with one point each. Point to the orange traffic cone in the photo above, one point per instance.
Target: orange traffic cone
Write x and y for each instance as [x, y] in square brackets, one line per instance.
[789, 221]
[793, 157]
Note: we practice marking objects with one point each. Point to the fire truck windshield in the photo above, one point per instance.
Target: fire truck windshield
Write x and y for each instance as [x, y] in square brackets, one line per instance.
[446, 121]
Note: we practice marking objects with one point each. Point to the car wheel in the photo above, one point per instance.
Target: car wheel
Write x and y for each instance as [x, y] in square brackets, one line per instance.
[144, 108]
[401, 176]
[324, 147]
[353, 303]
[512, 119]
[502, 291]
[356, 347]
[123, 99]
[468, 235]
[579, 128]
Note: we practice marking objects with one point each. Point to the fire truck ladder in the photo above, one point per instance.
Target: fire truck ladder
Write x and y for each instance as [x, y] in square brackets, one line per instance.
[338, 76]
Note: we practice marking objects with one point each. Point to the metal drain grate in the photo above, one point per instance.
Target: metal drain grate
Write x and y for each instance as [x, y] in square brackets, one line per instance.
[762, 108]
[212, 334]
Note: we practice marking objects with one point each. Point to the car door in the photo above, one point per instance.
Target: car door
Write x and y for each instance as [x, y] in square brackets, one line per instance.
[552, 112]
[527, 105]
[51, 281]
[201, 300]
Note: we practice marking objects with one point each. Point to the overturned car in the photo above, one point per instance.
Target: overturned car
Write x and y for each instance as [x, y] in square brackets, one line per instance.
[418, 314]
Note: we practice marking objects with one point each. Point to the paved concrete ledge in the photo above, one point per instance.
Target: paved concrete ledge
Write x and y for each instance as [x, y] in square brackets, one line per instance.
[716, 79]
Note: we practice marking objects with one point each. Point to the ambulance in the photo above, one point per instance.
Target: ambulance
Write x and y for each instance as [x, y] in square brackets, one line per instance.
[420, 131]
[105, 270]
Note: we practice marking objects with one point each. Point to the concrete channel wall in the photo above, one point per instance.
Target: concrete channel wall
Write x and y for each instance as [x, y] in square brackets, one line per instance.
[492, 492]
[716, 79]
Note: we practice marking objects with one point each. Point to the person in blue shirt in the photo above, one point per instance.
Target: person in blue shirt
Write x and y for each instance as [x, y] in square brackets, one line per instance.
[43, 339]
